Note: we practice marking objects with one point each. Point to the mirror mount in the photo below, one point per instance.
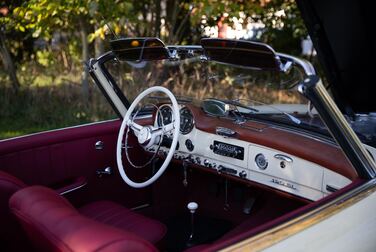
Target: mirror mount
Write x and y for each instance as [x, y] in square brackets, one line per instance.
[139, 49]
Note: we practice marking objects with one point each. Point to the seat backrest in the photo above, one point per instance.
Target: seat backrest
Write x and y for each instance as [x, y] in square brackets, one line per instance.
[9, 229]
[53, 224]
[8, 185]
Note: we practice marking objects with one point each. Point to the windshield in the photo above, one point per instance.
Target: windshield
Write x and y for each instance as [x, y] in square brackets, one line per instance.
[250, 94]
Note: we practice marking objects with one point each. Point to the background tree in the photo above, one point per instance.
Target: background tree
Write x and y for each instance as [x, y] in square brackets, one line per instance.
[44, 44]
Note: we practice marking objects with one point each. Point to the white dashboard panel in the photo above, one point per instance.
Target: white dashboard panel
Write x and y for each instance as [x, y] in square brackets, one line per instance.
[299, 177]
[298, 171]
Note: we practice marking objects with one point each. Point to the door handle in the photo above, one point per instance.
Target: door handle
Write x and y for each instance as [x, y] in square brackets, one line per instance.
[104, 172]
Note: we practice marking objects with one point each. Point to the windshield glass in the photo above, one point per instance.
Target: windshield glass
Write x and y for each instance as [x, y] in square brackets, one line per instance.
[250, 94]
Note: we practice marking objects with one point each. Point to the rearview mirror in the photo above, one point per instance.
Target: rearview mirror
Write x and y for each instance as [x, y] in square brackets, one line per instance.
[240, 52]
[215, 107]
[138, 49]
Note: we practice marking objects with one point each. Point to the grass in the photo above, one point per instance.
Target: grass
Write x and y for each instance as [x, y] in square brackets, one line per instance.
[34, 109]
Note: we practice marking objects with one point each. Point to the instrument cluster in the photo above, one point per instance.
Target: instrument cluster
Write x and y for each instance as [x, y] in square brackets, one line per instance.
[165, 116]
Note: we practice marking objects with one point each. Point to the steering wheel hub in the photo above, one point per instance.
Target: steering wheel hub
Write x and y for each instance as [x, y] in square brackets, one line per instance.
[144, 135]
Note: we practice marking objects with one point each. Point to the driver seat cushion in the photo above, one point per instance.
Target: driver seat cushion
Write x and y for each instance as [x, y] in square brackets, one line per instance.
[53, 224]
[115, 215]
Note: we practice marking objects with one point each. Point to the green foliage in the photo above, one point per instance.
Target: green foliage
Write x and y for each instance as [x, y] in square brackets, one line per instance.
[50, 95]
[284, 25]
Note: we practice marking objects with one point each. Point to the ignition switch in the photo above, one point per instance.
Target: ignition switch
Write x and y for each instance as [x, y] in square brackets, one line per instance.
[189, 145]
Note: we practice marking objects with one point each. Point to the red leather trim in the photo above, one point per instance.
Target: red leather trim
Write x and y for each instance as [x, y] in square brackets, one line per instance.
[10, 182]
[324, 154]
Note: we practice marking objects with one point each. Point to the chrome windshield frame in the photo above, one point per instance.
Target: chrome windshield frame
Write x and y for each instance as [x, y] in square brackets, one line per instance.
[313, 89]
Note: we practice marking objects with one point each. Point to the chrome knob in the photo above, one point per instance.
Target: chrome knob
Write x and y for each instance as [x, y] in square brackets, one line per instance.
[192, 207]
[242, 174]
[206, 162]
[99, 145]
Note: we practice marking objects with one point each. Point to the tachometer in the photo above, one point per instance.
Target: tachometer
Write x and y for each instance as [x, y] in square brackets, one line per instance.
[186, 121]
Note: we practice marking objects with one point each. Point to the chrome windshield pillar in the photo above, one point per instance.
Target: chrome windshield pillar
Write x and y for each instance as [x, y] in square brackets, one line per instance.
[107, 84]
[344, 135]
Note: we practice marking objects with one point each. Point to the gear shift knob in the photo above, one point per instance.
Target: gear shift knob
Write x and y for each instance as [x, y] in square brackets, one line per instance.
[192, 206]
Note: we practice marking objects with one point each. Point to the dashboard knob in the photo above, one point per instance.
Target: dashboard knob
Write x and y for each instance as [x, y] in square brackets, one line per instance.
[190, 158]
[243, 174]
[206, 162]
[198, 160]
[189, 145]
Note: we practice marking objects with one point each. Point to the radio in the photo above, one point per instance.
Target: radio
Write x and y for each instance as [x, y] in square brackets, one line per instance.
[227, 150]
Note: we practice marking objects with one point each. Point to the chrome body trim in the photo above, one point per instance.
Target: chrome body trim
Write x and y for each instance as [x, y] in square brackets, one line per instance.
[140, 207]
[71, 127]
[108, 88]
[57, 130]
[281, 232]
[73, 189]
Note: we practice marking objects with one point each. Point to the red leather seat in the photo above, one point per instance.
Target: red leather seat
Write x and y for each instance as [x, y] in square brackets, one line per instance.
[106, 212]
[53, 224]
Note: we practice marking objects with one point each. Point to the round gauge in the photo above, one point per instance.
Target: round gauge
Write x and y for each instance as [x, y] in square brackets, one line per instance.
[186, 121]
[164, 115]
[261, 161]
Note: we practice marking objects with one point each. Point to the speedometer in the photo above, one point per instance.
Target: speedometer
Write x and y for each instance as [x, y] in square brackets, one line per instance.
[186, 121]
[164, 115]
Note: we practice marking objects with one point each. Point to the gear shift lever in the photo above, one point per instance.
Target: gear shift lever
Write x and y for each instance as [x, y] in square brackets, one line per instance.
[192, 207]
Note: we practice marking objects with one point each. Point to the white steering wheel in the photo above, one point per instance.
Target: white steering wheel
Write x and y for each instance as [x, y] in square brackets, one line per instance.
[148, 135]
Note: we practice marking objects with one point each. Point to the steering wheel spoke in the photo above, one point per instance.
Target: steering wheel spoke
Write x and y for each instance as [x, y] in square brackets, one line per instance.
[134, 126]
[164, 129]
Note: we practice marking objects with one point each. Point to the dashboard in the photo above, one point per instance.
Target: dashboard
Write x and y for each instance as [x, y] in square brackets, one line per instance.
[223, 149]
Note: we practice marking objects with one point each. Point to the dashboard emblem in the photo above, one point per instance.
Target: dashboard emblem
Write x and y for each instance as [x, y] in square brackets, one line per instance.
[283, 183]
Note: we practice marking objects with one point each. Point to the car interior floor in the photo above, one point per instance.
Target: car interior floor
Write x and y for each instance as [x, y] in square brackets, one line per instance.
[225, 207]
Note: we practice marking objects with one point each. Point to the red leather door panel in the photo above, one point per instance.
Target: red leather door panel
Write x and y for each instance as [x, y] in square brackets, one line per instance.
[52, 157]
